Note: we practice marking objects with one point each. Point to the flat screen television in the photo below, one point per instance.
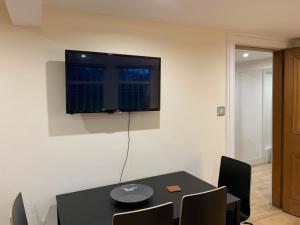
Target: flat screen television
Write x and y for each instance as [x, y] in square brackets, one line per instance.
[104, 82]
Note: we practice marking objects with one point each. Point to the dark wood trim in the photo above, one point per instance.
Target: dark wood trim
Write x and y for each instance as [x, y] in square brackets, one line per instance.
[278, 71]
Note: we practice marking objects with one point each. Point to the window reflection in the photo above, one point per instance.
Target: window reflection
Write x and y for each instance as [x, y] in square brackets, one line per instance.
[85, 88]
[134, 88]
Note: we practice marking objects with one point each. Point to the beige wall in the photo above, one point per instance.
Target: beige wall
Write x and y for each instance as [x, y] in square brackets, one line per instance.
[45, 152]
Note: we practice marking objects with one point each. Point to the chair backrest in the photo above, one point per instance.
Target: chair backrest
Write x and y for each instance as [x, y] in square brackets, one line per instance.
[207, 208]
[17, 213]
[236, 176]
[157, 215]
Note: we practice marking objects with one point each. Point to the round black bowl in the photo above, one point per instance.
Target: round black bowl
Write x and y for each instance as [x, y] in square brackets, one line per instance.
[131, 194]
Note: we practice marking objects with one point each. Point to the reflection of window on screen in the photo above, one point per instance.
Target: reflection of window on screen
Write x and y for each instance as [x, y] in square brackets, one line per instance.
[85, 88]
[134, 88]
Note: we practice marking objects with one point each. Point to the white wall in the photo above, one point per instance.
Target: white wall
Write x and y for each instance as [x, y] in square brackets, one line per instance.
[45, 152]
[254, 110]
[248, 115]
[267, 114]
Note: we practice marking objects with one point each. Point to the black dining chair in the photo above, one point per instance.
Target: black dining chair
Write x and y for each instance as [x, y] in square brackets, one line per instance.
[206, 208]
[157, 215]
[236, 176]
[17, 212]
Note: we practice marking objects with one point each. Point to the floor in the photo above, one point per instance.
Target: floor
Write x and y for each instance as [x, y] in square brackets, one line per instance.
[263, 213]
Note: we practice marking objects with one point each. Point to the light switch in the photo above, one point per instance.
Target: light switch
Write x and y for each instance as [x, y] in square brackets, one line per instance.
[221, 111]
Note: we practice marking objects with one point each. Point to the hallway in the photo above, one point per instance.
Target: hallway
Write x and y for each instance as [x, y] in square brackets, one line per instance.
[263, 213]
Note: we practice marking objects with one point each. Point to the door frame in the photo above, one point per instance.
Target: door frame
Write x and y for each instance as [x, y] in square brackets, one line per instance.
[234, 40]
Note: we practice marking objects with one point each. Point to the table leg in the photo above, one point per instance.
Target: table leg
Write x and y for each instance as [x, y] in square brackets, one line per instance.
[237, 216]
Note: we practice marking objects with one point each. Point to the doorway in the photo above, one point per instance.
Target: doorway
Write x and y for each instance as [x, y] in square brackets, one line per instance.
[253, 123]
[253, 105]
[285, 151]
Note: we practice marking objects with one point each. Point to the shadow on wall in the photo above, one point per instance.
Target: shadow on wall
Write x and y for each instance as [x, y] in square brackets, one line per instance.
[61, 124]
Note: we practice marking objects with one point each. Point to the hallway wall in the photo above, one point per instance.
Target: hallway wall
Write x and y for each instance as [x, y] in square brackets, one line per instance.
[254, 111]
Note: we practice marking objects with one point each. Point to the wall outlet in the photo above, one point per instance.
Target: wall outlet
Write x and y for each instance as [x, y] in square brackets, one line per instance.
[221, 111]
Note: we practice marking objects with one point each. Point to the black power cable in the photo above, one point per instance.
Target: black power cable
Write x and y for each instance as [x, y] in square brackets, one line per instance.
[128, 146]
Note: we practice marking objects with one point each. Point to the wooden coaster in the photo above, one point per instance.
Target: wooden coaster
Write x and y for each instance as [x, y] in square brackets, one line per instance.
[173, 188]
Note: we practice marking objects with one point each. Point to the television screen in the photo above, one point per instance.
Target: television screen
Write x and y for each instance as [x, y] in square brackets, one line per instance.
[103, 82]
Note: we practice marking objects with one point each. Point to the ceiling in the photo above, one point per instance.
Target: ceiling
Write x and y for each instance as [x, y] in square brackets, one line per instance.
[25, 12]
[273, 18]
[252, 55]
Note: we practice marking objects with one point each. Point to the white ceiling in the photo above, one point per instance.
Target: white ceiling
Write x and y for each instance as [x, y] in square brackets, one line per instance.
[25, 12]
[276, 18]
[253, 55]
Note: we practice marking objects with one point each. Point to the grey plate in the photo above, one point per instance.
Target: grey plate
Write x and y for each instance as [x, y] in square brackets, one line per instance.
[131, 193]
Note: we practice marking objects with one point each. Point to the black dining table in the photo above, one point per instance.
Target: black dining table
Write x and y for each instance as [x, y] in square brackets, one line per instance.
[95, 206]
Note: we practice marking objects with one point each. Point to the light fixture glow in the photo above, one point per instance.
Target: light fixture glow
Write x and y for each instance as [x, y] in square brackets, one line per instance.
[246, 55]
[83, 56]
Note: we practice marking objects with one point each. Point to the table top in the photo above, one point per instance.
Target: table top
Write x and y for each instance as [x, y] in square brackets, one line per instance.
[95, 207]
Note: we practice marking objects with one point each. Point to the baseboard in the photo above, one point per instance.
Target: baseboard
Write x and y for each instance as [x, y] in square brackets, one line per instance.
[254, 162]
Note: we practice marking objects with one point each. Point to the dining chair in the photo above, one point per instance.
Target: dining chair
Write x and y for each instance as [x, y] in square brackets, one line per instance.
[236, 176]
[157, 215]
[206, 208]
[17, 212]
